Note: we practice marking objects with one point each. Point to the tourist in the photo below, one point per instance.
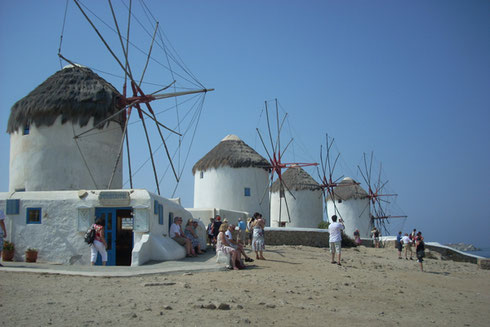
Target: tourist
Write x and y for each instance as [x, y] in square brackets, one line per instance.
[242, 227]
[190, 233]
[100, 244]
[250, 222]
[375, 236]
[236, 245]
[335, 231]
[412, 236]
[3, 232]
[178, 236]
[209, 231]
[407, 243]
[398, 244]
[223, 246]
[357, 237]
[258, 240]
[217, 223]
[419, 250]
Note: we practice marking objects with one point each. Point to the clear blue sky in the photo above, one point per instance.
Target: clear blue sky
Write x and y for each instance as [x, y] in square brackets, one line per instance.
[409, 80]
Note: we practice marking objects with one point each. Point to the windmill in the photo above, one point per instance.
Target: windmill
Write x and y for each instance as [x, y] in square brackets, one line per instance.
[378, 200]
[329, 183]
[180, 82]
[275, 153]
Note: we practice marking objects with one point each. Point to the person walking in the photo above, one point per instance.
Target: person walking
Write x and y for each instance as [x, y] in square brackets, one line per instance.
[398, 244]
[375, 235]
[3, 232]
[100, 244]
[420, 250]
[335, 230]
[407, 243]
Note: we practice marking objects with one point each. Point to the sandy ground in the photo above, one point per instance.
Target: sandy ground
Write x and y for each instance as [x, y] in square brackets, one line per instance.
[296, 286]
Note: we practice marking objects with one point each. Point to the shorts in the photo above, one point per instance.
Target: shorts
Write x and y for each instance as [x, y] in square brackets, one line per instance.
[399, 246]
[181, 240]
[1, 240]
[420, 256]
[335, 247]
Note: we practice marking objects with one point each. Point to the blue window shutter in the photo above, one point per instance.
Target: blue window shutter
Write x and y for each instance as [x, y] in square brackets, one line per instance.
[160, 214]
[13, 206]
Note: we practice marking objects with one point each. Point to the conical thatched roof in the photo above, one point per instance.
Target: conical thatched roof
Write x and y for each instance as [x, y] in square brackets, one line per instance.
[231, 152]
[296, 179]
[348, 189]
[74, 93]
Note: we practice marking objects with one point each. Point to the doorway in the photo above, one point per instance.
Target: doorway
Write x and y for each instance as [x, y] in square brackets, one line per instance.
[118, 234]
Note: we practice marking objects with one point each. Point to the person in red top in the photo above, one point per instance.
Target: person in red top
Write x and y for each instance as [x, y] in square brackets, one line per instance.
[100, 244]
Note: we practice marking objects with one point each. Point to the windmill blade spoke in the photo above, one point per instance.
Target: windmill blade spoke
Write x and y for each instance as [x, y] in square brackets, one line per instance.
[149, 54]
[287, 209]
[284, 151]
[263, 144]
[287, 188]
[363, 210]
[269, 126]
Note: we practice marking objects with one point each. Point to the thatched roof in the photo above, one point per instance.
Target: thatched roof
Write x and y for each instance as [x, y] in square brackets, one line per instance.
[296, 179]
[231, 152]
[348, 189]
[74, 93]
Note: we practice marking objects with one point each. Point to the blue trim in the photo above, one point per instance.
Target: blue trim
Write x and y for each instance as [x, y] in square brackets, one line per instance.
[155, 207]
[26, 130]
[246, 191]
[28, 211]
[160, 214]
[13, 206]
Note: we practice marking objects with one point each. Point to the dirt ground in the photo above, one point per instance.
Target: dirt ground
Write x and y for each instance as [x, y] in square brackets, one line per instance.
[295, 286]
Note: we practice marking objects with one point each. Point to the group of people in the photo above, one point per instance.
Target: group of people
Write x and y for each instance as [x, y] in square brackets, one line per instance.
[414, 240]
[187, 237]
[220, 234]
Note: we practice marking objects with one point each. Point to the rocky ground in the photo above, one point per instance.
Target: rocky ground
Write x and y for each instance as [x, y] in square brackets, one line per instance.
[295, 286]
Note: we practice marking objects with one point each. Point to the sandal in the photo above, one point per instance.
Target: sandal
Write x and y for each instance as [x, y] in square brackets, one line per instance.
[249, 260]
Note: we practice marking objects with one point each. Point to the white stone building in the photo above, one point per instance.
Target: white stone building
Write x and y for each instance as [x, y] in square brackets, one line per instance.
[351, 202]
[305, 208]
[232, 176]
[44, 155]
[59, 184]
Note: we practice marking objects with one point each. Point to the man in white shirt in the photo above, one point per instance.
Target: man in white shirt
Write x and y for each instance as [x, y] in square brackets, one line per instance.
[335, 231]
[178, 236]
[407, 243]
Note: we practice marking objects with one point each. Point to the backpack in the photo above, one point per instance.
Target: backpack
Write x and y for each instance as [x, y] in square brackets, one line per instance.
[89, 235]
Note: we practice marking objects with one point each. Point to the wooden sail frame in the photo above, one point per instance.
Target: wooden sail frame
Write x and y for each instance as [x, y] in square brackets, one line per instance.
[138, 97]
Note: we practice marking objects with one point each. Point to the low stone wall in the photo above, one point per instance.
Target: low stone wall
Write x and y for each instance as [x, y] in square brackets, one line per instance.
[296, 236]
[319, 238]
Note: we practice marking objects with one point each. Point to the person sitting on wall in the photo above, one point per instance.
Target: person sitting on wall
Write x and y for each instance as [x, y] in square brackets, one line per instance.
[236, 245]
[178, 236]
[222, 245]
[190, 233]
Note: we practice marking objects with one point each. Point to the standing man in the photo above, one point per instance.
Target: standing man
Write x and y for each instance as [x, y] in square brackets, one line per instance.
[398, 244]
[407, 244]
[3, 232]
[242, 227]
[335, 231]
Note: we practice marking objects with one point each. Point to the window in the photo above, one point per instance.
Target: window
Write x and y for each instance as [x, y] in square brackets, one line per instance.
[26, 130]
[170, 218]
[201, 174]
[155, 207]
[160, 214]
[247, 191]
[13, 207]
[33, 215]
[282, 224]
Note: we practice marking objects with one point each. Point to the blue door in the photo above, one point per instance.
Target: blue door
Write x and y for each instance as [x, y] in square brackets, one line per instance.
[118, 224]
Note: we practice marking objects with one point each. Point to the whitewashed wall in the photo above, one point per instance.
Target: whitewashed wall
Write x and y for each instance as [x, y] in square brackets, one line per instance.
[224, 188]
[355, 213]
[47, 159]
[305, 211]
[66, 216]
